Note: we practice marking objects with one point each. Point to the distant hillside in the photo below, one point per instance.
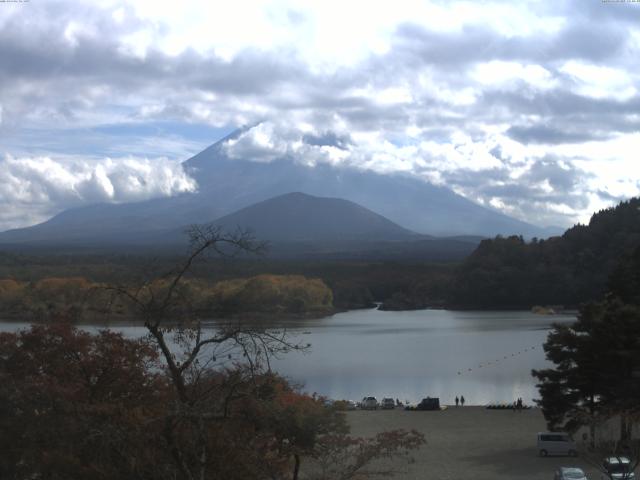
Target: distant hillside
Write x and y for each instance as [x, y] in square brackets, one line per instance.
[567, 270]
[297, 225]
[297, 217]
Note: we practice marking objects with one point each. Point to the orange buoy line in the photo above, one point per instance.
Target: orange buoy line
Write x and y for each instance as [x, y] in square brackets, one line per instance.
[498, 360]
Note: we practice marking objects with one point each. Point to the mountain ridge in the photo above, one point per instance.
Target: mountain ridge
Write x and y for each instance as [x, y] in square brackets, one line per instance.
[226, 185]
[297, 216]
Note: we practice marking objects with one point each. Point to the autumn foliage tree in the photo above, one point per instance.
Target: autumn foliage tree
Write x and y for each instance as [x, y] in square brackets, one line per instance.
[76, 405]
[79, 299]
[271, 294]
[189, 401]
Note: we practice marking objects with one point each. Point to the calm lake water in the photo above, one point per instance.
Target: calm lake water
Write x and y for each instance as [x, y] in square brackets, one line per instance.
[485, 356]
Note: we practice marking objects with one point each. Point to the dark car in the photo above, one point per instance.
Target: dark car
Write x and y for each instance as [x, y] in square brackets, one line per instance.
[387, 403]
[429, 404]
[618, 468]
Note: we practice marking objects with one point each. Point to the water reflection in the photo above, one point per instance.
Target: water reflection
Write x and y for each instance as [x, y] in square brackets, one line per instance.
[485, 356]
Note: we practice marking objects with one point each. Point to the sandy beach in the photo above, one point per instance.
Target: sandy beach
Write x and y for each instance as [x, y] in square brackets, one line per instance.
[469, 443]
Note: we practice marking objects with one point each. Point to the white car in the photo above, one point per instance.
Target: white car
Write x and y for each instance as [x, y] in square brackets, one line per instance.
[369, 403]
[569, 473]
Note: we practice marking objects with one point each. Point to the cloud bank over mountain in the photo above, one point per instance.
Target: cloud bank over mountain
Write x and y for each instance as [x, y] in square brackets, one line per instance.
[38, 187]
[528, 107]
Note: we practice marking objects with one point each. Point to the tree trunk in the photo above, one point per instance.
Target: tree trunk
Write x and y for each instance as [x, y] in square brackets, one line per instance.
[296, 467]
[624, 429]
[592, 423]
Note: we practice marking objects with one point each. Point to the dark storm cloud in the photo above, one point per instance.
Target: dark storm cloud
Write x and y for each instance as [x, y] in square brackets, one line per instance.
[553, 135]
[537, 193]
[100, 60]
[621, 13]
[279, 81]
[606, 196]
[477, 44]
[559, 103]
[330, 139]
[560, 176]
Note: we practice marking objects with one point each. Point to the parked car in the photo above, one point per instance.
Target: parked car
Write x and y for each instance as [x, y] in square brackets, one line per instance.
[351, 405]
[429, 404]
[328, 402]
[569, 473]
[555, 443]
[618, 468]
[387, 403]
[369, 403]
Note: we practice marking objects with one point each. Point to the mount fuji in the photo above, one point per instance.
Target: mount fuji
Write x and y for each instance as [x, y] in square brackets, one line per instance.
[227, 185]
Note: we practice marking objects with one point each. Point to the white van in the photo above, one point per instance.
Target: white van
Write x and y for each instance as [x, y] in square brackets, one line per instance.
[556, 443]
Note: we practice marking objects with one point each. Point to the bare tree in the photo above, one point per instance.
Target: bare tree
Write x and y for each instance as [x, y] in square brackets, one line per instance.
[191, 352]
[342, 457]
[219, 375]
[607, 449]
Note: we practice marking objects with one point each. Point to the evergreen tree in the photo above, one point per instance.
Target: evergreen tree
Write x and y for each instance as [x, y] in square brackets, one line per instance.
[597, 359]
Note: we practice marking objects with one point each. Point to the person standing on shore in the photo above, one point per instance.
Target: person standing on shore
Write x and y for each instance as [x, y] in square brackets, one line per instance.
[462, 400]
[457, 401]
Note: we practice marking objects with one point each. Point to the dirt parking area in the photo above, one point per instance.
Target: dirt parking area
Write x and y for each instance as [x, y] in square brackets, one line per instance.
[469, 443]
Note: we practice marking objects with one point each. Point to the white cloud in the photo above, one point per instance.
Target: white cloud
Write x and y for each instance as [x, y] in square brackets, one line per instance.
[513, 74]
[543, 184]
[471, 95]
[34, 188]
[328, 33]
[601, 81]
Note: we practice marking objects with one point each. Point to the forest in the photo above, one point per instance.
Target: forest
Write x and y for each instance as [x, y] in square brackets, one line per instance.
[564, 271]
[78, 299]
[502, 273]
[352, 284]
[593, 380]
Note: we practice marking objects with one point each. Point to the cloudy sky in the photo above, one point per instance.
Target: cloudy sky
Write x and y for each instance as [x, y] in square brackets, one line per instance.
[530, 107]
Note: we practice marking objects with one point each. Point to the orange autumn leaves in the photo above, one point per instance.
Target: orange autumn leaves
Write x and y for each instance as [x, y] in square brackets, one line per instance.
[76, 298]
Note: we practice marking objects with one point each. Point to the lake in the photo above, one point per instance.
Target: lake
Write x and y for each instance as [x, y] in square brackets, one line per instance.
[485, 356]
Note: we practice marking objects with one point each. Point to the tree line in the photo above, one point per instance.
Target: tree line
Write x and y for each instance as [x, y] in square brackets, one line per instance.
[568, 270]
[77, 298]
